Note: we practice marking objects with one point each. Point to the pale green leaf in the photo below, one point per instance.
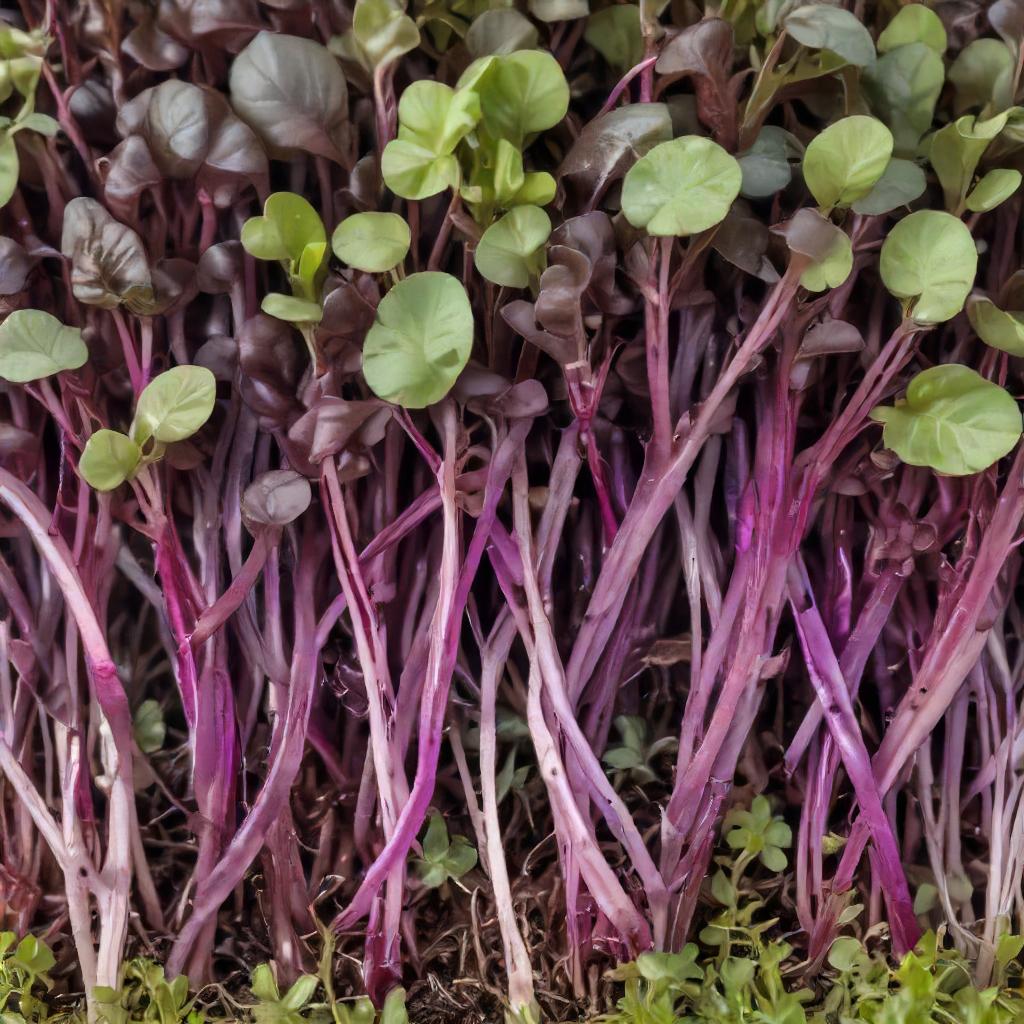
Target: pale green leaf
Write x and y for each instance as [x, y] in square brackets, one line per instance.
[108, 459]
[291, 308]
[414, 172]
[9, 168]
[681, 187]
[148, 722]
[929, 261]
[34, 344]
[384, 30]
[521, 93]
[500, 30]
[420, 340]
[822, 27]
[914, 23]
[511, 251]
[999, 328]
[174, 405]
[844, 162]
[994, 188]
[952, 420]
[288, 225]
[373, 242]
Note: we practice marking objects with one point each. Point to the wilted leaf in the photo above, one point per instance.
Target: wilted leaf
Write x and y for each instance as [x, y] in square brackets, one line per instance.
[929, 260]
[952, 420]
[34, 344]
[681, 187]
[108, 261]
[420, 340]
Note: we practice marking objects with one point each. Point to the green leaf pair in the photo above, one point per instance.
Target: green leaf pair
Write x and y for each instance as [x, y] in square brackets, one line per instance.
[172, 407]
[292, 233]
[759, 833]
[443, 858]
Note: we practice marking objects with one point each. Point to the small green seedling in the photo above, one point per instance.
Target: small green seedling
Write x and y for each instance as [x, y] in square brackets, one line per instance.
[633, 759]
[443, 858]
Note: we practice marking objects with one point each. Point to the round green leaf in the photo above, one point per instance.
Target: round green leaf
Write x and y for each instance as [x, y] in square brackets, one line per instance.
[843, 953]
[929, 261]
[149, 726]
[420, 340]
[952, 420]
[996, 187]
[997, 327]
[511, 250]
[288, 225]
[681, 187]
[174, 405]
[292, 309]
[522, 93]
[414, 172]
[914, 23]
[374, 242]
[108, 459]
[843, 163]
[821, 27]
[34, 345]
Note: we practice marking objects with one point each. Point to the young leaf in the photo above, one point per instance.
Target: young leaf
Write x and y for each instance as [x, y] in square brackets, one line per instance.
[511, 251]
[901, 183]
[414, 172]
[373, 242]
[292, 92]
[420, 340]
[996, 187]
[903, 87]
[289, 224]
[929, 260]
[952, 420]
[394, 1011]
[292, 309]
[681, 187]
[996, 327]
[821, 27]
[384, 31]
[914, 23]
[148, 725]
[845, 161]
[174, 405]
[444, 858]
[108, 459]
[827, 246]
[982, 74]
[521, 93]
[34, 344]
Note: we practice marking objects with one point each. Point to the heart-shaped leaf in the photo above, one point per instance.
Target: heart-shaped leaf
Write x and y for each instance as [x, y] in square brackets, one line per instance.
[997, 327]
[511, 251]
[420, 340]
[34, 344]
[374, 242]
[914, 23]
[952, 420]
[288, 225]
[843, 163]
[681, 187]
[929, 261]
[108, 459]
[174, 405]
